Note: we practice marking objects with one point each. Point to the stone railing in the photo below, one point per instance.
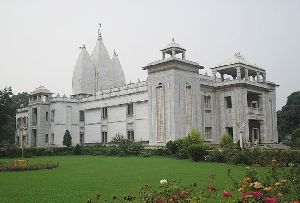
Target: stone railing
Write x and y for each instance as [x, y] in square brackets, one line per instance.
[255, 111]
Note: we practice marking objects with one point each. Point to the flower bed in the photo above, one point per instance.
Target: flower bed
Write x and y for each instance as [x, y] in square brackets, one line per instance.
[23, 165]
[278, 185]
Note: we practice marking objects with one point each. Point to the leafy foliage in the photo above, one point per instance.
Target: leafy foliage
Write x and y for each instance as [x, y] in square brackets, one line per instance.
[197, 152]
[226, 141]
[67, 140]
[288, 119]
[179, 147]
[9, 103]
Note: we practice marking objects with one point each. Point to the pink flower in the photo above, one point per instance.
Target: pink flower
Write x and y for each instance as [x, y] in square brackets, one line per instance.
[270, 200]
[227, 194]
[257, 194]
[158, 200]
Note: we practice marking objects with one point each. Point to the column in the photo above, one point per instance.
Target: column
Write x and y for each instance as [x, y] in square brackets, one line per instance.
[222, 77]
[264, 77]
[173, 53]
[163, 55]
[214, 72]
[257, 75]
[238, 73]
[183, 55]
[246, 74]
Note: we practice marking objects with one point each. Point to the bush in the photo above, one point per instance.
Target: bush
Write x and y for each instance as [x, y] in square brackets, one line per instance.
[179, 147]
[77, 150]
[227, 141]
[198, 151]
[216, 155]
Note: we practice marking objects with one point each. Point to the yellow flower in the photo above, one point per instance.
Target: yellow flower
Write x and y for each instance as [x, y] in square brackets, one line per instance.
[247, 179]
[241, 190]
[283, 181]
[257, 185]
[279, 194]
[278, 184]
[268, 189]
[244, 186]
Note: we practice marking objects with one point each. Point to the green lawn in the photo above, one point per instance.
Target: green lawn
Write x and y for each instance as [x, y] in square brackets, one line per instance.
[80, 177]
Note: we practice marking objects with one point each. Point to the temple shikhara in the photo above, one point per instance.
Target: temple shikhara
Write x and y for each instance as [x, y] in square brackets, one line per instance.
[237, 99]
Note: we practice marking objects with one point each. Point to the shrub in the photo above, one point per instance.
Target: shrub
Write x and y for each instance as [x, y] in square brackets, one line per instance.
[198, 151]
[77, 150]
[179, 147]
[216, 155]
[227, 141]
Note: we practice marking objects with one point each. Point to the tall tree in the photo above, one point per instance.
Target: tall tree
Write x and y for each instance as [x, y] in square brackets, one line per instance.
[67, 140]
[288, 118]
[9, 104]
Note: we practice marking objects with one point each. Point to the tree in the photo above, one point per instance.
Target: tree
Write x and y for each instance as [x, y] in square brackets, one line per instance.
[9, 104]
[67, 140]
[288, 118]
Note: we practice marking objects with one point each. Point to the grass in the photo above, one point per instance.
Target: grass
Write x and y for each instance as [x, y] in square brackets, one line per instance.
[80, 177]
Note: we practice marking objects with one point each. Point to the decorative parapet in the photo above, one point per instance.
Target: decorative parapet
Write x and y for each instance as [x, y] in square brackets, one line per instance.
[131, 88]
[218, 83]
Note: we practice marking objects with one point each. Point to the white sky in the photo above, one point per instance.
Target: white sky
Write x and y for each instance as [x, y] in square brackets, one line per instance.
[39, 40]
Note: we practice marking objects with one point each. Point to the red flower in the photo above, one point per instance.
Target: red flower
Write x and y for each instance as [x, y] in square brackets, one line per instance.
[257, 194]
[270, 200]
[158, 200]
[227, 194]
[211, 188]
[251, 194]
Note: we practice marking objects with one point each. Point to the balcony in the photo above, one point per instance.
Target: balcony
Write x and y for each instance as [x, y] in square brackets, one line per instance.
[255, 111]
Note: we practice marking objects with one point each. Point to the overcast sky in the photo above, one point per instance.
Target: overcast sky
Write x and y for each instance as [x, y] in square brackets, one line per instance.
[40, 40]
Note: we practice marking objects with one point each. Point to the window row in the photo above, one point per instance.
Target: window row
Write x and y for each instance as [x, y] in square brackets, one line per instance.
[104, 112]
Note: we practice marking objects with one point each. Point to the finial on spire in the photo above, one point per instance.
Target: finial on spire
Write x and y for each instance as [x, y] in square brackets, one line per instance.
[82, 47]
[173, 40]
[99, 33]
[115, 54]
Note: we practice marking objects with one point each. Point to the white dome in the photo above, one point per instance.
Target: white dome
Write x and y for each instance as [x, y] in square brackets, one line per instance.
[41, 89]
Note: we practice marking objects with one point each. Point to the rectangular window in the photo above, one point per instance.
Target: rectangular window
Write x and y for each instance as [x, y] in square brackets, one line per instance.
[46, 115]
[52, 115]
[228, 102]
[34, 116]
[104, 112]
[208, 133]
[81, 139]
[81, 115]
[207, 102]
[104, 137]
[130, 135]
[46, 138]
[52, 138]
[229, 130]
[130, 109]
